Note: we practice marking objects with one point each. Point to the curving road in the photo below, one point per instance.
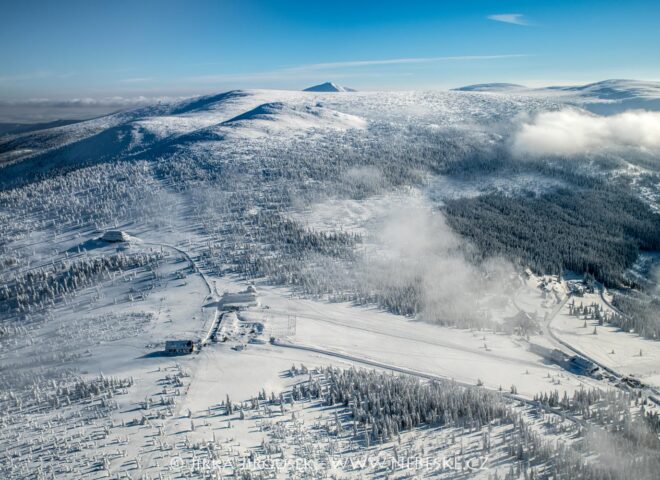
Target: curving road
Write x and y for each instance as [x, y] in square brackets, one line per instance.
[652, 393]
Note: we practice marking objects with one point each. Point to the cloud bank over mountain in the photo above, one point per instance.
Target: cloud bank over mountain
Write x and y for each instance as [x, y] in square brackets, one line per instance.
[572, 132]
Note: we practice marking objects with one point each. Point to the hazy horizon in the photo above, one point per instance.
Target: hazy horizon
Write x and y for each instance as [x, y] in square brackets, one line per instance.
[78, 59]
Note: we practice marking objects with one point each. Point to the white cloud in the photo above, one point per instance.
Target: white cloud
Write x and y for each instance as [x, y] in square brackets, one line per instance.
[402, 61]
[311, 71]
[136, 80]
[572, 132]
[417, 249]
[513, 18]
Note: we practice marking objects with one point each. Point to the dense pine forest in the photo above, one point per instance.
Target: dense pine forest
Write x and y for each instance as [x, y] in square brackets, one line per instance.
[640, 314]
[594, 230]
[380, 406]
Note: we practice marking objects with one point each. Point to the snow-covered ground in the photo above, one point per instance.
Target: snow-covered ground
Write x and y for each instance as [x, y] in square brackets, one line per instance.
[624, 352]
[87, 389]
[123, 339]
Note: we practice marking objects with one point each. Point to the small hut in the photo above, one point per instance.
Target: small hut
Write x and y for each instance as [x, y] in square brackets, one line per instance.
[115, 236]
[179, 346]
[582, 366]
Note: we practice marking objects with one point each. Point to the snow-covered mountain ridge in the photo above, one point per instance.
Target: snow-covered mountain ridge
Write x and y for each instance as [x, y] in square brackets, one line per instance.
[605, 97]
[136, 132]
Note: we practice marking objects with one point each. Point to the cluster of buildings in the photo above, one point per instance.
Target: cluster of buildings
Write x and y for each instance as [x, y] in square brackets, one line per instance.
[229, 303]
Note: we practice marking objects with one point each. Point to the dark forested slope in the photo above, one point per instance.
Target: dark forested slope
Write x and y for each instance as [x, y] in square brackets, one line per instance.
[598, 230]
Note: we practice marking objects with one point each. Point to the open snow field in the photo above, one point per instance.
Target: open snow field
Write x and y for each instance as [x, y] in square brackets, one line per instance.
[498, 360]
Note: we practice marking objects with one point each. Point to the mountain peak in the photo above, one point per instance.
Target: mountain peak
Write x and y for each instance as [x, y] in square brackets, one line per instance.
[328, 87]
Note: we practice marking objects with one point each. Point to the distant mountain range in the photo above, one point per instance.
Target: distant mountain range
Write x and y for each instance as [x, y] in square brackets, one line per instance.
[605, 97]
[153, 129]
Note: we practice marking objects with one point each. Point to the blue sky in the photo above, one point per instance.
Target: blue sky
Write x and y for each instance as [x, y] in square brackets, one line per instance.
[74, 49]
